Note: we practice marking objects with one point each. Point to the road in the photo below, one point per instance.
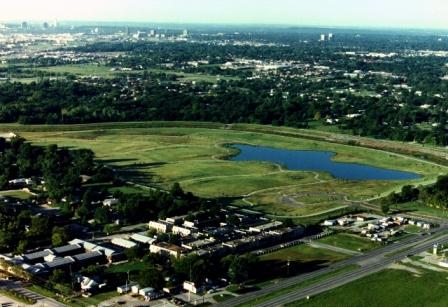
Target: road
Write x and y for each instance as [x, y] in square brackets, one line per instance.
[19, 287]
[369, 263]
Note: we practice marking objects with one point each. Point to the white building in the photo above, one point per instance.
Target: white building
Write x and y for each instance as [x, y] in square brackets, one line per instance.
[161, 226]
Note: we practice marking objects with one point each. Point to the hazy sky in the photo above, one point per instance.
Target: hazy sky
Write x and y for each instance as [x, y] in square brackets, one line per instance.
[379, 13]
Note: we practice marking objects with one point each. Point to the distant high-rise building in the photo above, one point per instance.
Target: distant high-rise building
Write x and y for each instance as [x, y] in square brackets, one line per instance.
[185, 33]
[45, 25]
[128, 31]
[322, 37]
[330, 36]
[55, 24]
[152, 33]
[24, 25]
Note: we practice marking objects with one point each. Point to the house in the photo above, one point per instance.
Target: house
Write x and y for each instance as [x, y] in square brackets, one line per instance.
[110, 202]
[161, 226]
[88, 284]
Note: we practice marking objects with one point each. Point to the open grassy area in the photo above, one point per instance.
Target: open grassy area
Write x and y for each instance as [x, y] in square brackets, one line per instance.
[160, 153]
[126, 267]
[80, 69]
[19, 194]
[388, 288]
[294, 261]
[283, 291]
[305, 254]
[349, 241]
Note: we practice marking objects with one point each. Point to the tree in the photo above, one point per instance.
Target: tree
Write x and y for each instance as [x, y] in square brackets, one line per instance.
[39, 227]
[385, 208]
[59, 236]
[238, 270]
[102, 215]
[151, 277]
[176, 190]
[59, 277]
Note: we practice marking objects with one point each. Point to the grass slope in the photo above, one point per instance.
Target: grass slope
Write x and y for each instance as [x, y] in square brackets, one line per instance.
[161, 153]
[387, 288]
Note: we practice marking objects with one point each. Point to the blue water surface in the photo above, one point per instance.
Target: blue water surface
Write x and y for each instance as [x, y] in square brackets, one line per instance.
[305, 160]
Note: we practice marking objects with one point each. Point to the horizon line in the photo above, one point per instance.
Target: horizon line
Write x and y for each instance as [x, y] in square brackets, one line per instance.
[234, 24]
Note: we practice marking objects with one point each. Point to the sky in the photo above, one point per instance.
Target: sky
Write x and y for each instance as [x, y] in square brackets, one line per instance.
[352, 13]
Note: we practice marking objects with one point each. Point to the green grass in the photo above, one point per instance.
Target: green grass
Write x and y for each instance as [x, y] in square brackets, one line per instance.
[75, 302]
[19, 194]
[94, 300]
[126, 267]
[388, 288]
[161, 153]
[305, 254]
[301, 285]
[18, 296]
[222, 297]
[348, 241]
[419, 208]
[80, 69]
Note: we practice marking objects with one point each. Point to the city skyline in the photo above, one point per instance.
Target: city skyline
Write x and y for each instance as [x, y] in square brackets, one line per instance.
[344, 13]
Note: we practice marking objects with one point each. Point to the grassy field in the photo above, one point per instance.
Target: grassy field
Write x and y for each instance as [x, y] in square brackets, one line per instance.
[106, 72]
[348, 241]
[387, 288]
[160, 154]
[293, 261]
[19, 194]
[301, 285]
[81, 69]
[305, 254]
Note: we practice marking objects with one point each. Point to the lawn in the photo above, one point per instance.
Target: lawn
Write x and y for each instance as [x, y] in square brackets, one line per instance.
[388, 288]
[301, 285]
[126, 267]
[305, 254]
[161, 153]
[19, 194]
[80, 69]
[349, 241]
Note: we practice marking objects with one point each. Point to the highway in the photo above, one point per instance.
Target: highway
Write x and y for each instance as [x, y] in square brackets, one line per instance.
[369, 263]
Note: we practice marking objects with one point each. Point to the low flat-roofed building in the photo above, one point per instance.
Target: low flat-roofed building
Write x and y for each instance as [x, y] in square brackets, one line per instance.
[89, 258]
[167, 249]
[176, 220]
[183, 231]
[266, 227]
[36, 257]
[123, 243]
[199, 244]
[58, 264]
[161, 226]
[68, 250]
[142, 238]
[126, 288]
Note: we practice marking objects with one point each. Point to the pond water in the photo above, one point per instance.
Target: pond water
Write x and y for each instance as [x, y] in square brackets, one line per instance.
[304, 160]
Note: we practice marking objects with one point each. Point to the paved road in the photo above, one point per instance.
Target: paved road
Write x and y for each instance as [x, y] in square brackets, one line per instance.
[363, 260]
[379, 264]
[18, 286]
